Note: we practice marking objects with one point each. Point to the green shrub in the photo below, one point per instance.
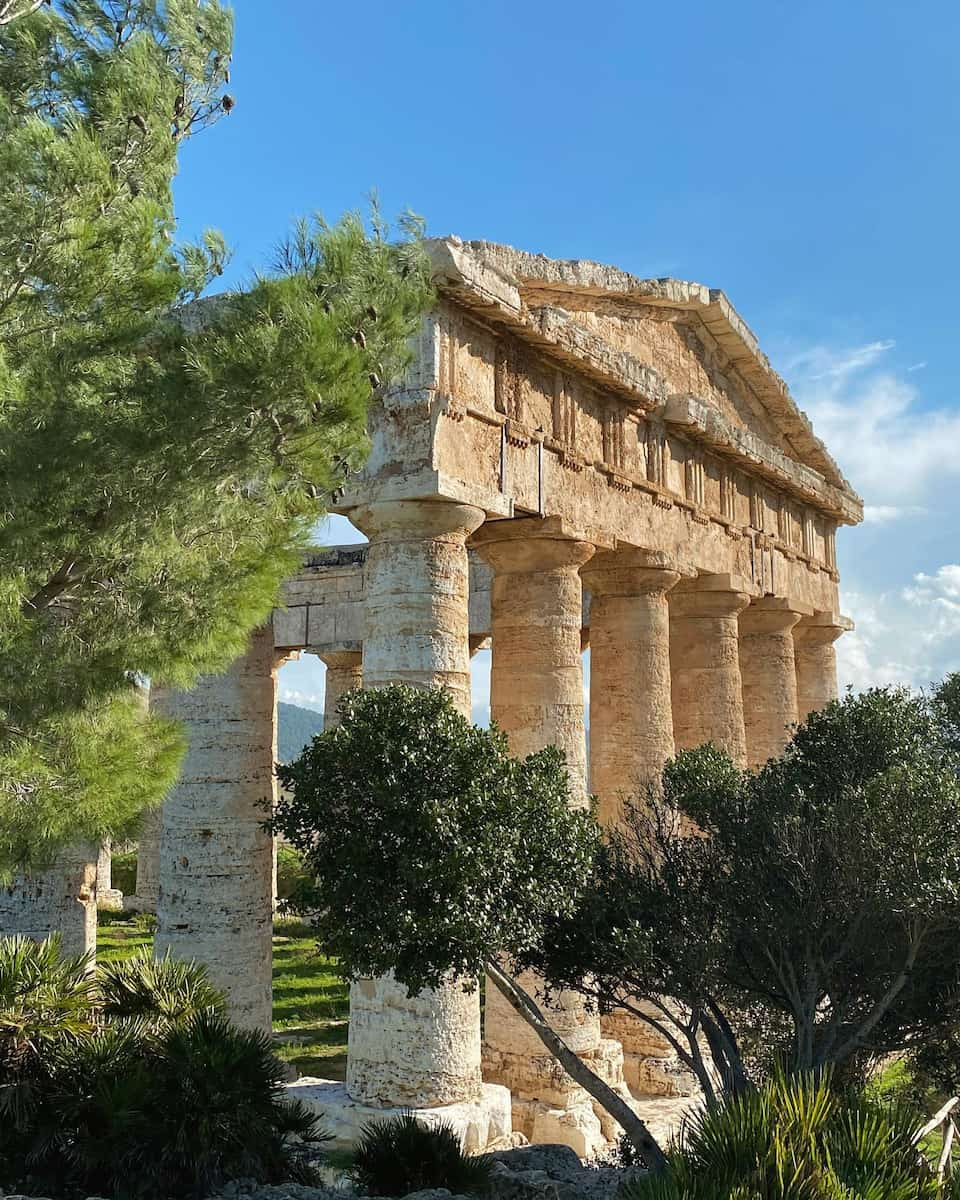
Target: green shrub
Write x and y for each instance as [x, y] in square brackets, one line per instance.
[794, 1139]
[401, 1155]
[134, 1084]
[45, 999]
[291, 873]
[159, 991]
[123, 871]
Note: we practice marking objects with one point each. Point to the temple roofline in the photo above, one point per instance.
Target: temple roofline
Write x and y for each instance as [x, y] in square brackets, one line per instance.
[521, 288]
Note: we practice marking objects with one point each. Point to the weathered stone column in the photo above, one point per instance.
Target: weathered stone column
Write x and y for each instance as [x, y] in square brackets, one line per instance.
[422, 1051]
[631, 737]
[61, 899]
[536, 697]
[769, 674]
[631, 719]
[536, 680]
[148, 863]
[109, 899]
[344, 674]
[705, 665]
[144, 899]
[816, 660]
[216, 859]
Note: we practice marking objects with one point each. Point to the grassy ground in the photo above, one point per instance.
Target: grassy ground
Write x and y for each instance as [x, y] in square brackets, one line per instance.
[310, 1001]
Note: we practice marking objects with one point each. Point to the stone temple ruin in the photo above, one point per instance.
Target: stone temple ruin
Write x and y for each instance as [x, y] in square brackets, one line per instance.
[577, 457]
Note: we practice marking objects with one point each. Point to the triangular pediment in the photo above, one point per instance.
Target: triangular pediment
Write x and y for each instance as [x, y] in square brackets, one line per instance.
[686, 342]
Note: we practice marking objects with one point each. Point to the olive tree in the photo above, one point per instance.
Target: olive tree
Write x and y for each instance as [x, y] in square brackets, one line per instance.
[431, 852]
[821, 891]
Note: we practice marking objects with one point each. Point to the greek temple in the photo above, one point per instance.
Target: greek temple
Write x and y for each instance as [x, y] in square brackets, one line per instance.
[577, 458]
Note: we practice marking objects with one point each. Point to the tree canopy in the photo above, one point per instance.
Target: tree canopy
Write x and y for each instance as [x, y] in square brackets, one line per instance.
[821, 893]
[806, 913]
[431, 850]
[162, 458]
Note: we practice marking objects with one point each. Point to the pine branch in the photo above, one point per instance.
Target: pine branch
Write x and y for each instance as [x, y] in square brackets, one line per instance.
[10, 10]
[65, 577]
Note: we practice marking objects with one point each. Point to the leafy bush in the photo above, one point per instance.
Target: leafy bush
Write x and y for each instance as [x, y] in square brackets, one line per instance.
[134, 1084]
[123, 871]
[159, 991]
[292, 876]
[132, 1113]
[44, 1000]
[401, 1155]
[794, 1139]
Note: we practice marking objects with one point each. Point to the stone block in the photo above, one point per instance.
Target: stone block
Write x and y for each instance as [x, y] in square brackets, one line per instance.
[109, 900]
[658, 1076]
[290, 626]
[634, 1035]
[479, 1123]
[577, 1127]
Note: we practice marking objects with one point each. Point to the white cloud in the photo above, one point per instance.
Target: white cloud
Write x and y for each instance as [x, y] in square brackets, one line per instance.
[301, 699]
[894, 452]
[884, 514]
[910, 634]
[821, 362]
[937, 598]
[903, 456]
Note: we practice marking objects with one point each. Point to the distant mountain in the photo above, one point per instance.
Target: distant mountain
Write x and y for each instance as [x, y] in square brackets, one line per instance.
[296, 727]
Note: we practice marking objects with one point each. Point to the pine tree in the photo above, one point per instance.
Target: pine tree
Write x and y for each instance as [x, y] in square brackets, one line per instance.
[162, 457]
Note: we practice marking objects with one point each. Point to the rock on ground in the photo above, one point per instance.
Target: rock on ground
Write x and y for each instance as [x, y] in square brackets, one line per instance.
[524, 1173]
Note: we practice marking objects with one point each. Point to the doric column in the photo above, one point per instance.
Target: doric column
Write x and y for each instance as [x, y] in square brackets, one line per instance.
[816, 660]
[216, 859]
[631, 737]
[705, 664]
[144, 898]
[536, 679]
[769, 674]
[631, 719]
[61, 899]
[536, 697]
[423, 1051]
[344, 674]
[148, 863]
[109, 899]
[416, 623]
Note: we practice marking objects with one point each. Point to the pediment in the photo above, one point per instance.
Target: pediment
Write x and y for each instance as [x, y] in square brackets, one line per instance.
[678, 351]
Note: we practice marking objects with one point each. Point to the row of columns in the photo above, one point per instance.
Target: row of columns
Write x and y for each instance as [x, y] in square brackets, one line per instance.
[675, 662]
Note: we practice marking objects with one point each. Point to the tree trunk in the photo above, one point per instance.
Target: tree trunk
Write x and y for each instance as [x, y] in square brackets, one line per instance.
[578, 1070]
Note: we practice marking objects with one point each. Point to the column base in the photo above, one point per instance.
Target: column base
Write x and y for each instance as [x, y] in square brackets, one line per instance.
[140, 904]
[549, 1107]
[651, 1067]
[481, 1124]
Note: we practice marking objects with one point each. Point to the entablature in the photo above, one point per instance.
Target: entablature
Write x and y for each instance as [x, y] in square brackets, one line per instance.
[529, 313]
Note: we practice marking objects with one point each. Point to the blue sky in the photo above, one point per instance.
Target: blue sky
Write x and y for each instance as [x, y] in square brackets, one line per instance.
[802, 157]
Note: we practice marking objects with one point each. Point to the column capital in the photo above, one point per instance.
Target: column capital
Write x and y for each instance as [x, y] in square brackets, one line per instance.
[770, 614]
[629, 571]
[709, 596]
[403, 519]
[340, 658]
[822, 628]
[527, 544]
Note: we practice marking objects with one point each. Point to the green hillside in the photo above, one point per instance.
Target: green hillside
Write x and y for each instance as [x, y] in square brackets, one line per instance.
[295, 727]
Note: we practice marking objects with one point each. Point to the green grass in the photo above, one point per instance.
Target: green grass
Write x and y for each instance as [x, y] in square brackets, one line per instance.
[310, 1000]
